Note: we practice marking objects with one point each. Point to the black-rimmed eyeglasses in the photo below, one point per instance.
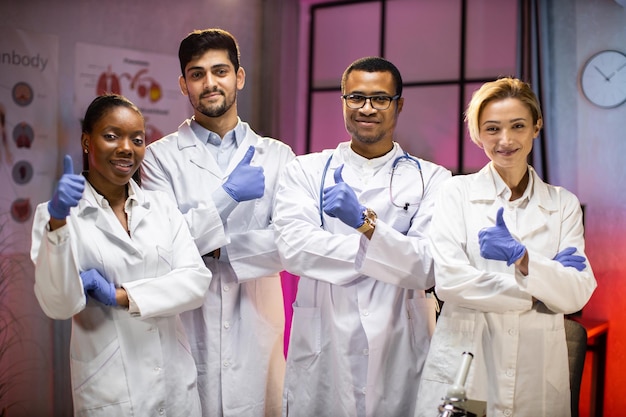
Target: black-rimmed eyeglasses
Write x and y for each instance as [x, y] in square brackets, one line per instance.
[357, 101]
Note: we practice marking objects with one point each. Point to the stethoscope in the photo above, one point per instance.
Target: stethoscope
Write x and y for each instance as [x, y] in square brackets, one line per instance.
[396, 162]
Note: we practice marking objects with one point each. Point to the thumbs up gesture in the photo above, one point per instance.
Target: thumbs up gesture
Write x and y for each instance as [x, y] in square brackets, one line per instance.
[340, 201]
[246, 182]
[68, 192]
[497, 243]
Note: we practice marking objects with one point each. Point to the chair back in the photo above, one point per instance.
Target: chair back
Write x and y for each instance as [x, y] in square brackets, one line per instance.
[576, 336]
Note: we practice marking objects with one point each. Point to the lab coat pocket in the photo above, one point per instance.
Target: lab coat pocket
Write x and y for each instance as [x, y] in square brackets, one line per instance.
[305, 343]
[92, 381]
[453, 336]
[262, 212]
[423, 312]
[186, 364]
[422, 316]
[164, 261]
[556, 360]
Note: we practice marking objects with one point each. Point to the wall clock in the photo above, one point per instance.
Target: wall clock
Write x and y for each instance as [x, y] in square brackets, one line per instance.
[603, 79]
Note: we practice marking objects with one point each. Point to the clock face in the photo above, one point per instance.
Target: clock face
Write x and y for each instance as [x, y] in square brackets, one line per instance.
[603, 79]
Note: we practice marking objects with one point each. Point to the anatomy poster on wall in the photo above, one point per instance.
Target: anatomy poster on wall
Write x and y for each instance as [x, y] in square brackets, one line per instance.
[149, 80]
[28, 131]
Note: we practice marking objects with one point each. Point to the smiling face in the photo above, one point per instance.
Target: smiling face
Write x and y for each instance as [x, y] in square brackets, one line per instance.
[115, 147]
[211, 83]
[506, 133]
[371, 130]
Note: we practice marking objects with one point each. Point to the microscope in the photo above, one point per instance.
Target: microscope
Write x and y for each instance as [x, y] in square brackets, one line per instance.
[454, 401]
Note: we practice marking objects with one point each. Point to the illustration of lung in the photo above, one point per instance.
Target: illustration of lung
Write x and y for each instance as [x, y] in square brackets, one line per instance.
[23, 135]
[108, 82]
[21, 210]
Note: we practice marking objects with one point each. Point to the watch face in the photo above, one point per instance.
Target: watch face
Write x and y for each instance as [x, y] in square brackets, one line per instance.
[603, 79]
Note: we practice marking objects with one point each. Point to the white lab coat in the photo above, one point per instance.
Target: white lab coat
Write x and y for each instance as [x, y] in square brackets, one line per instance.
[237, 335]
[124, 364]
[520, 360]
[360, 329]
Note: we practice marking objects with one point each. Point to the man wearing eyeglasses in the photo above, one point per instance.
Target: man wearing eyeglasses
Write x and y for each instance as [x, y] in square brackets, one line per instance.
[352, 222]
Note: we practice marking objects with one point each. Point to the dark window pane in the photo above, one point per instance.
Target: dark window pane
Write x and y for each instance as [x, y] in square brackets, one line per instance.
[343, 34]
[423, 39]
[428, 124]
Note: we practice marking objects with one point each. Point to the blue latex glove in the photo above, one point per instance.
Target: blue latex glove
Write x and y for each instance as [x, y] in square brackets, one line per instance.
[98, 288]
[68, 192]
[497, 243]
[567, 258]
[341, 202]
[245, 182]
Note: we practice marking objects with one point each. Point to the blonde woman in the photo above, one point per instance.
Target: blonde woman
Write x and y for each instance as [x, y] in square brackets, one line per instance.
[509, 263]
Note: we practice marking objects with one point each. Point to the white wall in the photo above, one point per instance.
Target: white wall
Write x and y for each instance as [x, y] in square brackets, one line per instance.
[144, 25]
[587, 154]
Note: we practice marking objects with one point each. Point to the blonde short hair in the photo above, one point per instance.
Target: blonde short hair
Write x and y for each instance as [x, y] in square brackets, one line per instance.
[498, 90]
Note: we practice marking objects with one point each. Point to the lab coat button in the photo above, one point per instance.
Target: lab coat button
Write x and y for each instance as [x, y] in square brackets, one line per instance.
[512, 332]
[508, 412]
[510, 372]
[161, 411]
[366, 313]
[226, 288]
[226, 325]
[226, 364]
[366, 352]
[364, 390]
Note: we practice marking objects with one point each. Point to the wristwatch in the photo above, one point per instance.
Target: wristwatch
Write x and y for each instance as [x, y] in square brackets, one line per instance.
[369, 221]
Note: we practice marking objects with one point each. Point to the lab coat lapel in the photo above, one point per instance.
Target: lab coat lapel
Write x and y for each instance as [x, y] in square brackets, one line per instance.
[379, 183]
[382, 179]
[113, 230]
[482, 190]
[334, 159]
[89, 209]
[250, 139]
[540, 207]
[197, 150]
[140, 210]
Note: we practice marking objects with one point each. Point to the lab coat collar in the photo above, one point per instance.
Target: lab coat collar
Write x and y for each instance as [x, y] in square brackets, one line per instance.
[359, 161]
[200, 156]
[90, 204]
[483, 190]
[92, 199]
[203, 134]
[187, 138]
[359, 166]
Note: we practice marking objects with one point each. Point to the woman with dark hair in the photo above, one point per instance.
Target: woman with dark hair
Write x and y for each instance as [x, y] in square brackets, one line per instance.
[119, 261]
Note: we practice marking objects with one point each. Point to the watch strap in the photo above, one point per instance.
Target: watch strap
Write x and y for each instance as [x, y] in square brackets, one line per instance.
[369, 221]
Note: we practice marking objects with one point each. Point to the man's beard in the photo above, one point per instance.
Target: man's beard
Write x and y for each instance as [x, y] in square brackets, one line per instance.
[214, 111]
[364, 139]
[367, 139]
